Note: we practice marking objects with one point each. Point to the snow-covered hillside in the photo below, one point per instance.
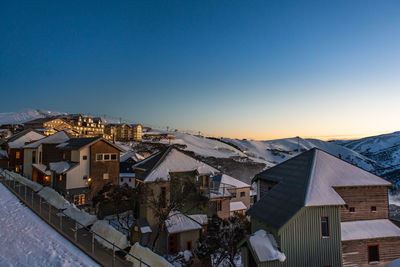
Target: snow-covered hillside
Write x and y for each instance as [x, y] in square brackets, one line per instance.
[279, 150]
[26, 115]
[28, 241]
[203, 146]
[384, 148]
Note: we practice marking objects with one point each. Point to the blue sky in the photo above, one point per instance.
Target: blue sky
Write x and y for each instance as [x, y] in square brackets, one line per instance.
[244, 69]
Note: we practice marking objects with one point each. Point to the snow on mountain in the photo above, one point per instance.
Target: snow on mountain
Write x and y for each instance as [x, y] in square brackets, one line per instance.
[24, 116]
[384, 148]
[203, 146]
[277, 151]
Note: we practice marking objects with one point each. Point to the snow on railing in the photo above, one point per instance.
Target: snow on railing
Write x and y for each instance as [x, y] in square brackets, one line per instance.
[12, 178]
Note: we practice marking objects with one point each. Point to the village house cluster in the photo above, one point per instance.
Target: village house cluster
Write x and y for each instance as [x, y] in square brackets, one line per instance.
[312, 210]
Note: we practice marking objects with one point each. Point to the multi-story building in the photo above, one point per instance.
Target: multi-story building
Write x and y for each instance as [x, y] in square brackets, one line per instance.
[39, 154]
[48, 125]
[318, 210]
[124, 132]
[88, 164]
[14, 145]
[160, 169]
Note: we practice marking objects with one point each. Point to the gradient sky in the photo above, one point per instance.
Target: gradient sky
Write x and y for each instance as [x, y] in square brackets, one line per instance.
[241, 69]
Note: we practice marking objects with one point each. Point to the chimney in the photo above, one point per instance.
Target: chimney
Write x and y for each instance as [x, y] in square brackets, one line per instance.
[340, 155]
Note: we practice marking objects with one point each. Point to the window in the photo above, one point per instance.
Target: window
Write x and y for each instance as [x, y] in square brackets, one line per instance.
[352, 209]
[79, 199]
[113, 156]
[189, 245]
[233, 194]
[106, 156]
[60, 178]
[373, 209]
[17, 155]
[325, 227]
[84, 157]
[106, 176]
[99, 157]
[219, 205]
[33, 156]
[373, 253]
[130, 179]
[242, 194]
[163, 197]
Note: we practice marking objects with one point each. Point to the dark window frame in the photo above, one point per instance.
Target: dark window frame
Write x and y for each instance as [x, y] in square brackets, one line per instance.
[373, 208]
[327, 227]
[352, 209]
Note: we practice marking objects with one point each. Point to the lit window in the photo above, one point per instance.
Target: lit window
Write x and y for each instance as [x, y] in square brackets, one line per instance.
[60, 178]
[79, 199]
[17, 155]
[325, 227]
[106, 176]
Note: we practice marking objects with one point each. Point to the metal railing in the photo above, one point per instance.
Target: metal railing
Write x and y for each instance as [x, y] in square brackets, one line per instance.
[78, 234]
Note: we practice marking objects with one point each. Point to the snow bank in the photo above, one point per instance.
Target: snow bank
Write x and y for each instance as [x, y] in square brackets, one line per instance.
[22, 180]
[54, 198]
[80, 216]
[147, 256]
[105, 230]
[264, 245]
[26, 240]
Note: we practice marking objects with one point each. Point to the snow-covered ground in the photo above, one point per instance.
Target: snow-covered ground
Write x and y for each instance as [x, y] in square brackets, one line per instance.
[25, 240]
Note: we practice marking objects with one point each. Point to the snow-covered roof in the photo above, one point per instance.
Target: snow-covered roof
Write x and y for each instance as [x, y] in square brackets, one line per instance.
[18, 140]
[237, 205]
[329, 172]
[131, 155]
[368, 229]
[42, 168]
[174, 160]
[226, 179]
[62, 166]
[146, 255]
[127, 175]
[200, 218]
[178, 222]
[56, 138]
[145, 229]
[265, 247]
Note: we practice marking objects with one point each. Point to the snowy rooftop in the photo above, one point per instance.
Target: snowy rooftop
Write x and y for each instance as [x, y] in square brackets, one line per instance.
[56, 138]
[179, 222]
[175, 161]
[18, 140]
[238, 205]
[42, 168]
[228, 180]
[131, 155]
[62, 166]
[265, 247]
[369, 229]
[328, 172]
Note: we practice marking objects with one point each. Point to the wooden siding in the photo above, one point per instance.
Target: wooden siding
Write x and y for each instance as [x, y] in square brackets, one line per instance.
[99, 168]
[362, 199]
[300, 239]
[50, 153]
[355, 253]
